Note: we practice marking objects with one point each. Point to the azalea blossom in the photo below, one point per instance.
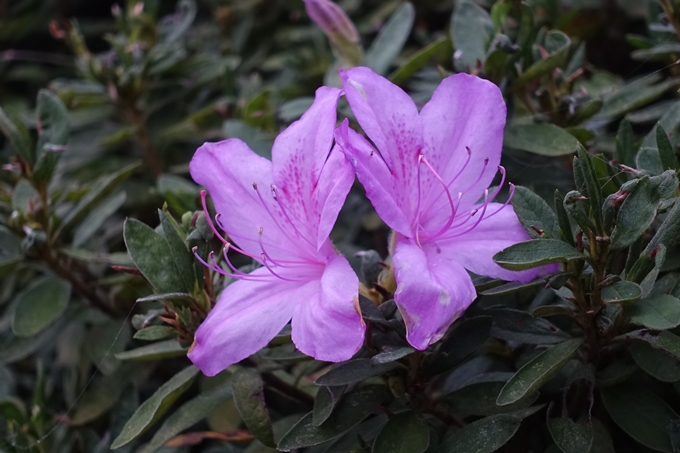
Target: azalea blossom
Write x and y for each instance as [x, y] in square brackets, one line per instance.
[426, 177]
[280, 213]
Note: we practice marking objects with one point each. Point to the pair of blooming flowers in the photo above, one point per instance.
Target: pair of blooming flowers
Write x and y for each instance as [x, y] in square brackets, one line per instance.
[427, 174]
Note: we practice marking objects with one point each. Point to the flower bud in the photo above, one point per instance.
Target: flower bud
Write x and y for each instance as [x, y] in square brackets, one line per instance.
[337, 26]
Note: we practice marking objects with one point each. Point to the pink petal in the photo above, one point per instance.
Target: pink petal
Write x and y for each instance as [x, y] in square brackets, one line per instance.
[246, 317]
[464, 111]
[327, 326]
[475, 249]
[390, 119]
[228, 170]
[433, 290]
[311, 179]
[375, 177]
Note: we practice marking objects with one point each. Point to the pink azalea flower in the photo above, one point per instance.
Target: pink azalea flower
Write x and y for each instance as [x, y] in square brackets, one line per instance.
[280, 213]
[425, 178]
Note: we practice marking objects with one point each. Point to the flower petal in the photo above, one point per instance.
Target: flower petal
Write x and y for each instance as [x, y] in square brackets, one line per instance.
[328, 326]
[465, 111]
[228, 169]
[246, 317]
[433, 290]
[375, 177]
[475, 249]
[390, 119]
[302, 166]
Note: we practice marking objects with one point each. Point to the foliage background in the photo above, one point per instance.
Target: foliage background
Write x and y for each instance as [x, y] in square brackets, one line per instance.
[123, 94]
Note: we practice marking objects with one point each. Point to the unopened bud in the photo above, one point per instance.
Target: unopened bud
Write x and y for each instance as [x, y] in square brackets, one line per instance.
[337, 26]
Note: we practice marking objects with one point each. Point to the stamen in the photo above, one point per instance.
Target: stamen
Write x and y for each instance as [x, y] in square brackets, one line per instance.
[462, 169]
[204, 194]
[279, 262]
[481, 173]
[511, 194]
[283, 230]
[285, 213]
[416, 221]
[221, 271]
[500, 185]
[449, 222]
[484, 206]
[264, 261]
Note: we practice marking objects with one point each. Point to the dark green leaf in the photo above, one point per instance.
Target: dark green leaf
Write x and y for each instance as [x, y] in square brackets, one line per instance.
[96, 218]
[352, 409]
[625, 144]
[619, 371]
[39, 306]
[155, 407]
[563, 219]
[404, 433]
[102, 342]
[570, 436]
[183, 258]
[353, 371]
[543, 139]
[420, 59]
[533, 212]
[464, 339]
[18, 136]
[669, 161]
[656, 362]
[641, 414]
[480, 399]
[530, 254]
[53, 129]
[102, 189]
[511, 287]
[153, 257]
[249, 398]
[390, 40]
[622, 292]
[668, 232]
[639, 208]
[538, 371]
[390, 354]
[188, 415]
[153, 333]
[521, 327]
[585, 112]
[483, 436]
[665, 340]
[658, 312]
[155, 351]
[632, 96]
[471, 31]
[325, 401]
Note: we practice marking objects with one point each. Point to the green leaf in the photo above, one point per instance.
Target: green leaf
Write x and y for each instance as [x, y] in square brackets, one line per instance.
[104, 393]
[639, 209]
[100, 190]
[404, 433]
[96, 218]
[625, 144]
[420, 59]
[471, 31]
[183, 258]
[585, 112]
[153, 257]
[352, 409]
[669, 160]
[18, 136]
[557, 44]
[249, 398]
[631, 96]
[391, 354]
[353, 371]
[102, 342]
[483, 436]
[53, 129]
[660, 312]
[153, 333]
[619, 371]
[667, 233]
[570, 436]
[511, 287]
[641, 414]
[538, 371]
[390, 40]
[656, 362]
[155, 351]
[532, 211]
[622, 292]
[480, 398]
[466, 337]
[566, 234]
[188, 415]
[543, 139]
[19, 348]
[39, 306]
[584, 162]
[530, 254]
[519, 326]
[665, 340]
[155, 407]
[325, 401]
